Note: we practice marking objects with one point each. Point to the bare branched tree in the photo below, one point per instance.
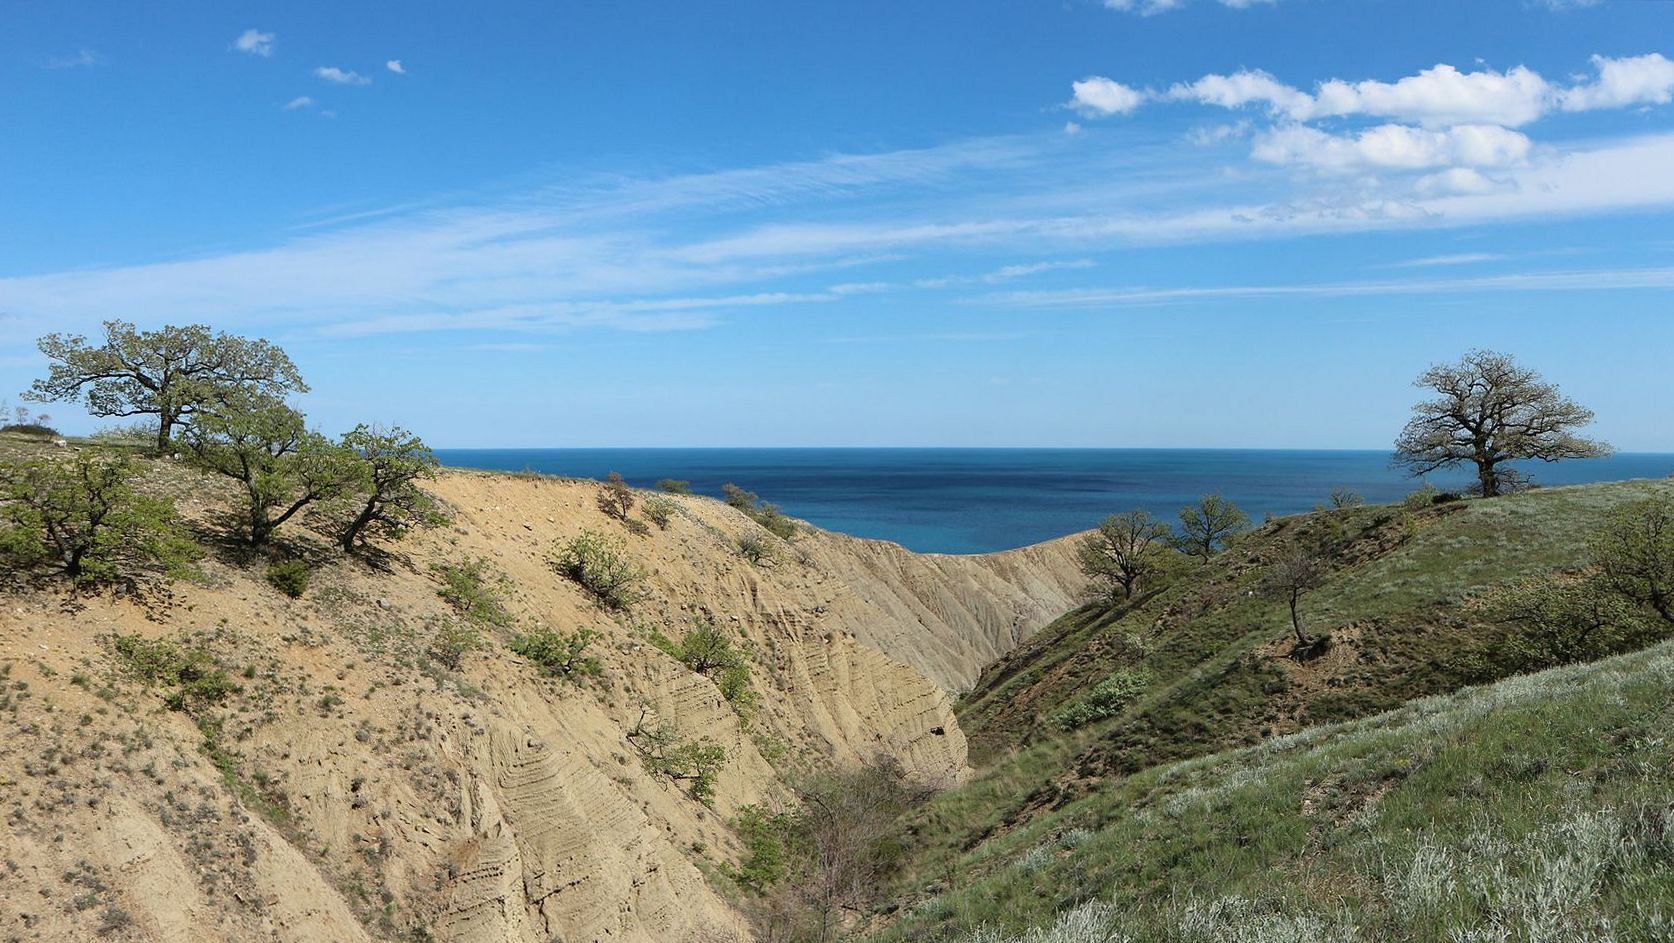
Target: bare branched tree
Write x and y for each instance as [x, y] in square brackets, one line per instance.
[1491, 411]
[1296, 573]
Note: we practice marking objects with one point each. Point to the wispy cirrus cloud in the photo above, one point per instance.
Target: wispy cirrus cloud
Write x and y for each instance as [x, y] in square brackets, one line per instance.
[689, 251]
[82, 58]
[1458, 258]
[1629, 279]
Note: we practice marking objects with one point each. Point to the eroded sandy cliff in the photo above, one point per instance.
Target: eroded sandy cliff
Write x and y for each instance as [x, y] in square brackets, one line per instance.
[354, 788]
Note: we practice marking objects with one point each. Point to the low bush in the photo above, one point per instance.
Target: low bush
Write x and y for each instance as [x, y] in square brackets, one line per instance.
[615, 498]
[188, 675]
[763, 513]
[560, 654]
[1108, 698]
[697, 761]
[674, 486]
[289, 577]
[33, 429]
[658, 511]
[451, 643]
[756, 549]
[473, 589]
[601, 566]
[708, 650]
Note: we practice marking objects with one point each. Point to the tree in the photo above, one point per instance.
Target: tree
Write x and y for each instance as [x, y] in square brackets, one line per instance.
[171, 373]
[283, 466]
[1560, 619]
[1296, 573]
[1207, 525]
[1491, 411]
[616, 499]
[1123, 552]
[387, 500]
[85, 516]
[1635, 554]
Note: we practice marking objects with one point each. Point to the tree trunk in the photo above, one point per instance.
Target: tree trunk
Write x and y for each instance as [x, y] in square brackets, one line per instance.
[1296, 620]
[1487, 479]
[347, 539]
[165, 425]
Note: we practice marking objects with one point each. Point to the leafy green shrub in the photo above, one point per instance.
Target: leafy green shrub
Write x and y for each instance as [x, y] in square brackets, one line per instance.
[1205, 527]
[1107, 699]
[473, 589]
[770, 839]
[697, 761]
[709, 650]
[189, 675]
[85, 517]
[753, 507]
[289, 577]
[674, 486]
[601, 566]
[756, 549]
[1635, 554]
[734, 684]
[452, 641]
[561, 654]
[616, 499]
[1558, 619]
[658, 511]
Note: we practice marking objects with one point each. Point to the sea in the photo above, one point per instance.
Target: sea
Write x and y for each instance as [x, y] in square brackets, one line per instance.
[980, 500]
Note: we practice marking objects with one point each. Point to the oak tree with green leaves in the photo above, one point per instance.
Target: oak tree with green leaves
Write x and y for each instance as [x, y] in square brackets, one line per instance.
[1123, 552]
[85, 517]
[1206, 526]
[171, 373]
[282, 465]
[1635, 554]
[386, 500]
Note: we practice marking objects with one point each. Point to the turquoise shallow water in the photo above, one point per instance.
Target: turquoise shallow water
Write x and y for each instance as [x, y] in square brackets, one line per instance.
[977, 500]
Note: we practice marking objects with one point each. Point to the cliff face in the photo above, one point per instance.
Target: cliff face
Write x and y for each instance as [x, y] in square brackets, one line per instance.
[360, 786]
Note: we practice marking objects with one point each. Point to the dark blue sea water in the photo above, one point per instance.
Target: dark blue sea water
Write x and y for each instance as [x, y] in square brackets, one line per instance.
[976, 500]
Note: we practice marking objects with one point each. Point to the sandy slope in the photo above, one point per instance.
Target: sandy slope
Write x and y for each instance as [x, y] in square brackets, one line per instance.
[365, 793]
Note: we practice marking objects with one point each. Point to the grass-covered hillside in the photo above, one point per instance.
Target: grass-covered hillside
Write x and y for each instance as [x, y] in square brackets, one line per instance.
[1104, 772]
[1539, 808]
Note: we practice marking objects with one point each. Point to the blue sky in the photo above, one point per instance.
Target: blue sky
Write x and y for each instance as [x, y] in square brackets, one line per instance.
[1139, 223]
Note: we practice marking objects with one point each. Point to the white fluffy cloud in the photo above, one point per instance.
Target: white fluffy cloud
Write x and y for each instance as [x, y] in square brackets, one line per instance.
[255, 42]
[341, 77]
[1439, 96]
[301, 101]
[1098, 96]
[1251, 86]
[1443, 95]
[1394, 146]
[394, 65]
[1635, 80]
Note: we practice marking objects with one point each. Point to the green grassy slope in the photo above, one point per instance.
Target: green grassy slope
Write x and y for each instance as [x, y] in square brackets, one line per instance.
[1538, 808]
[1221, 671]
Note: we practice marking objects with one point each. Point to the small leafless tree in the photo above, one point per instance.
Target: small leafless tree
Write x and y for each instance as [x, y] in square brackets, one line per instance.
[1296, 573]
